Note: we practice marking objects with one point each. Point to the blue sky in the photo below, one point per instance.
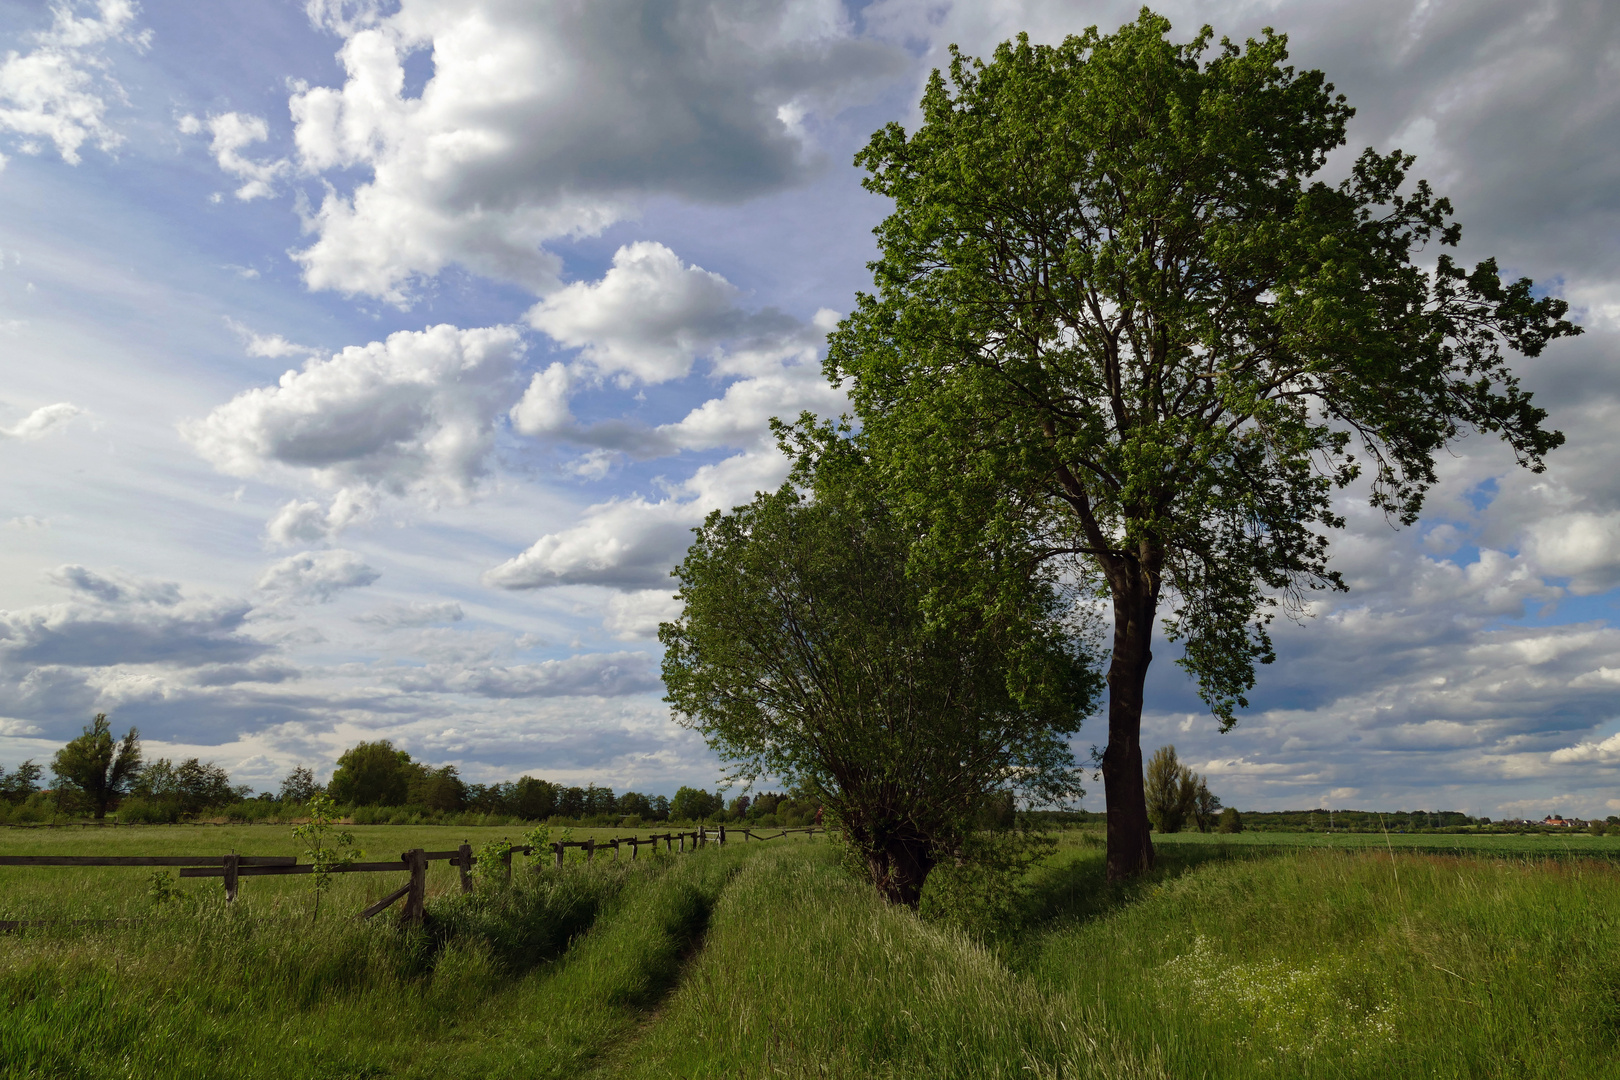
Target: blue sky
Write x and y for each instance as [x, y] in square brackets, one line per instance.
[364, 365]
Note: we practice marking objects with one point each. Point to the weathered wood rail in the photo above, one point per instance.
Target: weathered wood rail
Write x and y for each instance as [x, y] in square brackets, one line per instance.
[232, 868]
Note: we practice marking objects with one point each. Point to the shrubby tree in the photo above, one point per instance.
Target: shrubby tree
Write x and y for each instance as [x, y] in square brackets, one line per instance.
[435, 789]
[22, 782]
[299, 786]
[372, 774]
[1206, 807]
[571, 803]
[807, 650]
[534, 799]
[1231, 821]
[1116, 309]
[600, 801]
[1172, 791]
[635, 804]
[694, 804]
[96, 767]
[187, 788]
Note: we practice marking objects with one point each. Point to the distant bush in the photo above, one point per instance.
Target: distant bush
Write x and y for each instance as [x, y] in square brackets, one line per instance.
[1231, 821]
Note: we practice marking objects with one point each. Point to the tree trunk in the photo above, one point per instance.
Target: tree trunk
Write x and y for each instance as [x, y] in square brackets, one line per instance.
[900, 868]
[1130, 851]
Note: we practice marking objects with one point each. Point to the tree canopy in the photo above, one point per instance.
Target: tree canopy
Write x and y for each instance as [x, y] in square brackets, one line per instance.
[373, 774]
[1112, 301]
[805, 652]
[98, 767]
[186, 788]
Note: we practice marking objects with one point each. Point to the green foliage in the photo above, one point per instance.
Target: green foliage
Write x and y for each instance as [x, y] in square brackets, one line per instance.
[436, 789]
[327, 849]
[984, 891]
[807, 650]
[96, 768]
[161, 887]
[1206, 805]
[1118, 315]
[538, 840]
[1231, 821]
[492, 864]
[22, 782]
[534, 799]
[694, 804]
[1177, 796]
[372, 774]
[298, 786]
[172, 791]
[765, 959]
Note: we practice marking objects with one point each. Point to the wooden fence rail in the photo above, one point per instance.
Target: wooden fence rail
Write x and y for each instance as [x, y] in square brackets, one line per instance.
[232, 868]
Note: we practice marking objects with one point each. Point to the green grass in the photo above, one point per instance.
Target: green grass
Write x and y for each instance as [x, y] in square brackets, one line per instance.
[531, 981]
[1573, 842]
[114, 892]
[1233, 960]
[1334, 963]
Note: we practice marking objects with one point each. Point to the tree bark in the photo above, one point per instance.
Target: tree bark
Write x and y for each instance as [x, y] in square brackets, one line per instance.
[1135, 591]
[907, 864]
[899, 864]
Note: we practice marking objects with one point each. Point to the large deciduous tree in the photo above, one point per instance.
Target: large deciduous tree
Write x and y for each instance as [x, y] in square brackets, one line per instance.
[808, 651]
[98, 766]
[1111, 291]
[373, 774]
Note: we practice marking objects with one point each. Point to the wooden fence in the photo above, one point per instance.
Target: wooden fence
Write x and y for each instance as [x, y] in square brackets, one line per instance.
[232, 868]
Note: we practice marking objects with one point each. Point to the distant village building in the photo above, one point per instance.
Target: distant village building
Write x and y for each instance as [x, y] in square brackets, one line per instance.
[1560, 822]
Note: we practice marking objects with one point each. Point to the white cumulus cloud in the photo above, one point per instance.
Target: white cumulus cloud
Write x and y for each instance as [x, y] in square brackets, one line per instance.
[544, 121]
[413, 414]
[1582, 546]
[58, 91]
[233, 132]
[269, 346]
[42, 421]
[647, 319]
[634, 616]
[316, 576]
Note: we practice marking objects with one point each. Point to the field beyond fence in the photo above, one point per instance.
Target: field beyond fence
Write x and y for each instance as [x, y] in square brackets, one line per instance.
[1253, 956]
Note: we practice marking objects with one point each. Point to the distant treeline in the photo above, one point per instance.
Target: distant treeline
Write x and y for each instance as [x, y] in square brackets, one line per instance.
[374, 783]
[1395, 821]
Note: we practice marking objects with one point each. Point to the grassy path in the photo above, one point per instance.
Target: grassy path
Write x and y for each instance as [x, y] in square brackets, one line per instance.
[1258, 963]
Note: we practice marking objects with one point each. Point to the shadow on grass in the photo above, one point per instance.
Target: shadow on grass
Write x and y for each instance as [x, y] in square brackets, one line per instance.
[1073, 887]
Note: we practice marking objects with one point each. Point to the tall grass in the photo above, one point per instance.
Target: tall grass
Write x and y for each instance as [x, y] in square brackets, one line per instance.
[806, 972]
[1349, 965]
[258, 990]
[772, 961]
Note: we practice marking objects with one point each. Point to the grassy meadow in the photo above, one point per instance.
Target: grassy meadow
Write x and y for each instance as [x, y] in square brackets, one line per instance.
[1574, 842]
[770, 960]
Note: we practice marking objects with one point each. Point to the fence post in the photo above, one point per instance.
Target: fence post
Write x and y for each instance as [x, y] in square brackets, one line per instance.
[416, 898]
[557, 847]
[590, 849]
[683, 842]
[506, 865]
[722, 836]
[231, 863]
[465, 865]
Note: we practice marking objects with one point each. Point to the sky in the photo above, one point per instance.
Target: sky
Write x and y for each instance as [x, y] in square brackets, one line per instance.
[365, 364]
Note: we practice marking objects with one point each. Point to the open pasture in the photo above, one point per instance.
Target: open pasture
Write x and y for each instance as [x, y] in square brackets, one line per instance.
[770, 960]
[1573, 843]
[100, 892]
